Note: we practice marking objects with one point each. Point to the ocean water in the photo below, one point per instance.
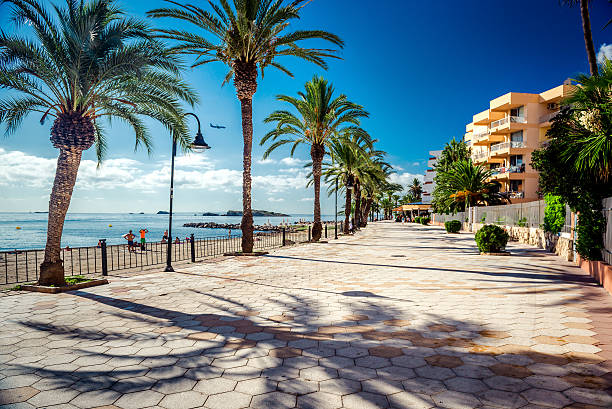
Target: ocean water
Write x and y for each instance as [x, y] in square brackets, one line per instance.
[85, 229]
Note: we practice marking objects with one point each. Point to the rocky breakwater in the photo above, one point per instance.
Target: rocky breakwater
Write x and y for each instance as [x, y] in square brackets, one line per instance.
[227, 226]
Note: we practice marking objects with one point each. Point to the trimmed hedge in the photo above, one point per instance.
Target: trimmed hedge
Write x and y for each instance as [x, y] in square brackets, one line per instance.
[491, 239]
[425, 221]
[452, 226]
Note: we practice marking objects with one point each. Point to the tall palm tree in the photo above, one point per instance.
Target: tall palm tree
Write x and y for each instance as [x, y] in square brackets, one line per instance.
[416, 189]
[347, 160]
[247, 36]
[320, 117]
[86, 63]
[586, 29]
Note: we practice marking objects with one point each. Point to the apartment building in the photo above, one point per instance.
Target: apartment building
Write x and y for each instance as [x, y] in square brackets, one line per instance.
[504, 136]
[428, 181]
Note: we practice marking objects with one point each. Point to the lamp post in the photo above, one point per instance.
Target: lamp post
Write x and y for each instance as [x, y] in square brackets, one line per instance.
[197, 145]
[336, 214]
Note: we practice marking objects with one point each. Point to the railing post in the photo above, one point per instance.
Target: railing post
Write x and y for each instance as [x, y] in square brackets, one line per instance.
[308, 232]
[104, 260]
[192, 242]
[284, 238]
[325, 230]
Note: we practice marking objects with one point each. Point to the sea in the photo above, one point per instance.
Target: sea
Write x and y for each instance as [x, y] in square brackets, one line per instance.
[25, 231]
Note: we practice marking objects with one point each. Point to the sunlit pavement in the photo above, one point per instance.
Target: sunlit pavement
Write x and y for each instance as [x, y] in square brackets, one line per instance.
[401, 316]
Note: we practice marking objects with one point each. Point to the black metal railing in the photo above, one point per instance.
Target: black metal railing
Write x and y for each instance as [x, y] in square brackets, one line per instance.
[21, 266]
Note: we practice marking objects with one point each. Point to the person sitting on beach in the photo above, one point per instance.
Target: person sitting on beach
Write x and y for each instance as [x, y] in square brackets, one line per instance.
[177, 240]
[143, 240]
[130, 239]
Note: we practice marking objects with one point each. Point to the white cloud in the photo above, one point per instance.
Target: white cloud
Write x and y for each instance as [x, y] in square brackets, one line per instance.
[265, 161]
[307, 199]
[191, 172]
[416, 163]
[605, 52]
[404, 178]
[19, 168]
[397, 167]
[275, 199]
[289, 161]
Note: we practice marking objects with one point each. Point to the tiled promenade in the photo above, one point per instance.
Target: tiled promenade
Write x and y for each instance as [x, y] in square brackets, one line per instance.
[398, 316]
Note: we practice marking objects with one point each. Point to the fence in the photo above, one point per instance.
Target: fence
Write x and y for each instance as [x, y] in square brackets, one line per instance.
[529, 214]
[21, 266]
[607, 250]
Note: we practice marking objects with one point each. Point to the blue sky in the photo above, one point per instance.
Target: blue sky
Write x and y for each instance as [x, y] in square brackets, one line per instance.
[421, 69]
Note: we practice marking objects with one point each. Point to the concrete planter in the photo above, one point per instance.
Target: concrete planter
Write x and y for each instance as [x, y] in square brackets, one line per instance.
[599, 270]
[55, 290]
[241, 254]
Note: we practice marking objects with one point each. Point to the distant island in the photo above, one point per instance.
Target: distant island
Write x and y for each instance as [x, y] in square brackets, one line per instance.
[163, 212]
[210, 214]
[257, 213]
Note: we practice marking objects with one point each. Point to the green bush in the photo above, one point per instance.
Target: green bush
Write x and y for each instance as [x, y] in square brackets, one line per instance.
[522, 222]
[591, 227]
[554, 213]
[452, 226]
[417, 219]
[483, 219]
[424, 221]
[491, 239]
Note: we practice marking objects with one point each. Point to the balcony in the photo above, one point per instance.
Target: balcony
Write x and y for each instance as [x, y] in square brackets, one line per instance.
[509, 172]
[507, 125]
[480, 157]
[481, 138]
[504, 147]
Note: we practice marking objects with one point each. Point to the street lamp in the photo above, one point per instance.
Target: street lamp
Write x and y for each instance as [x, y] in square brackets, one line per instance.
[198, 145]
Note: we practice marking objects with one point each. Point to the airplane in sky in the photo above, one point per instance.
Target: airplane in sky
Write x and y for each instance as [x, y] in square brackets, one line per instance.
[217, 126]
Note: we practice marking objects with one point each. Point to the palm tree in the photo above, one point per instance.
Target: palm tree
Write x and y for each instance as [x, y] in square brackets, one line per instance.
[320, 118]
[466, 185]
[347, 161]
[416, 189]
[586, 29]
[87, 63]
[248, 37]
[587, 132]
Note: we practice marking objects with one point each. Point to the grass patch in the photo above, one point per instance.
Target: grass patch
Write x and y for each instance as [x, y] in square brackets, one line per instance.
[76, 280]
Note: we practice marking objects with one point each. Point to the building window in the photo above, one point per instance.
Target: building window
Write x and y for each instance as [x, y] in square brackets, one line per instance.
[516, 160]
[516, 185]
[516, 136]
[520, 111]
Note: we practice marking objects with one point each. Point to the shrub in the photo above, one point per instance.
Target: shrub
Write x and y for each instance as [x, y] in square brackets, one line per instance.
[554, 213]
[417, 219]
[452, 226]
[483, 219]
[491, 239]
[522, 222]
[424, 221]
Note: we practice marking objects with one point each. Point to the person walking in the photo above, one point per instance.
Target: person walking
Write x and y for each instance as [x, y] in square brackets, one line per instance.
[143, 233]
[130, 239]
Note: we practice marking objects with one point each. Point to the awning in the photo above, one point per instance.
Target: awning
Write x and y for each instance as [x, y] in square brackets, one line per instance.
[412, 206]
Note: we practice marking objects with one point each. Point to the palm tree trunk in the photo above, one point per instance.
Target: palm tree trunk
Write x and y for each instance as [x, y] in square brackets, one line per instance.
[246, 106]
[347, 211]
[588, 36]
[52, 268]
[357, 215]
[366, 212]
[316, 154]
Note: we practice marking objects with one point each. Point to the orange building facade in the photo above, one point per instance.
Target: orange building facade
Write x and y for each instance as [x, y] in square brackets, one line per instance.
[503, 137]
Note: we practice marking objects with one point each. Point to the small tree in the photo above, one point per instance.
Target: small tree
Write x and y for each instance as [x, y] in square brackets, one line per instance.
[554, 214]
